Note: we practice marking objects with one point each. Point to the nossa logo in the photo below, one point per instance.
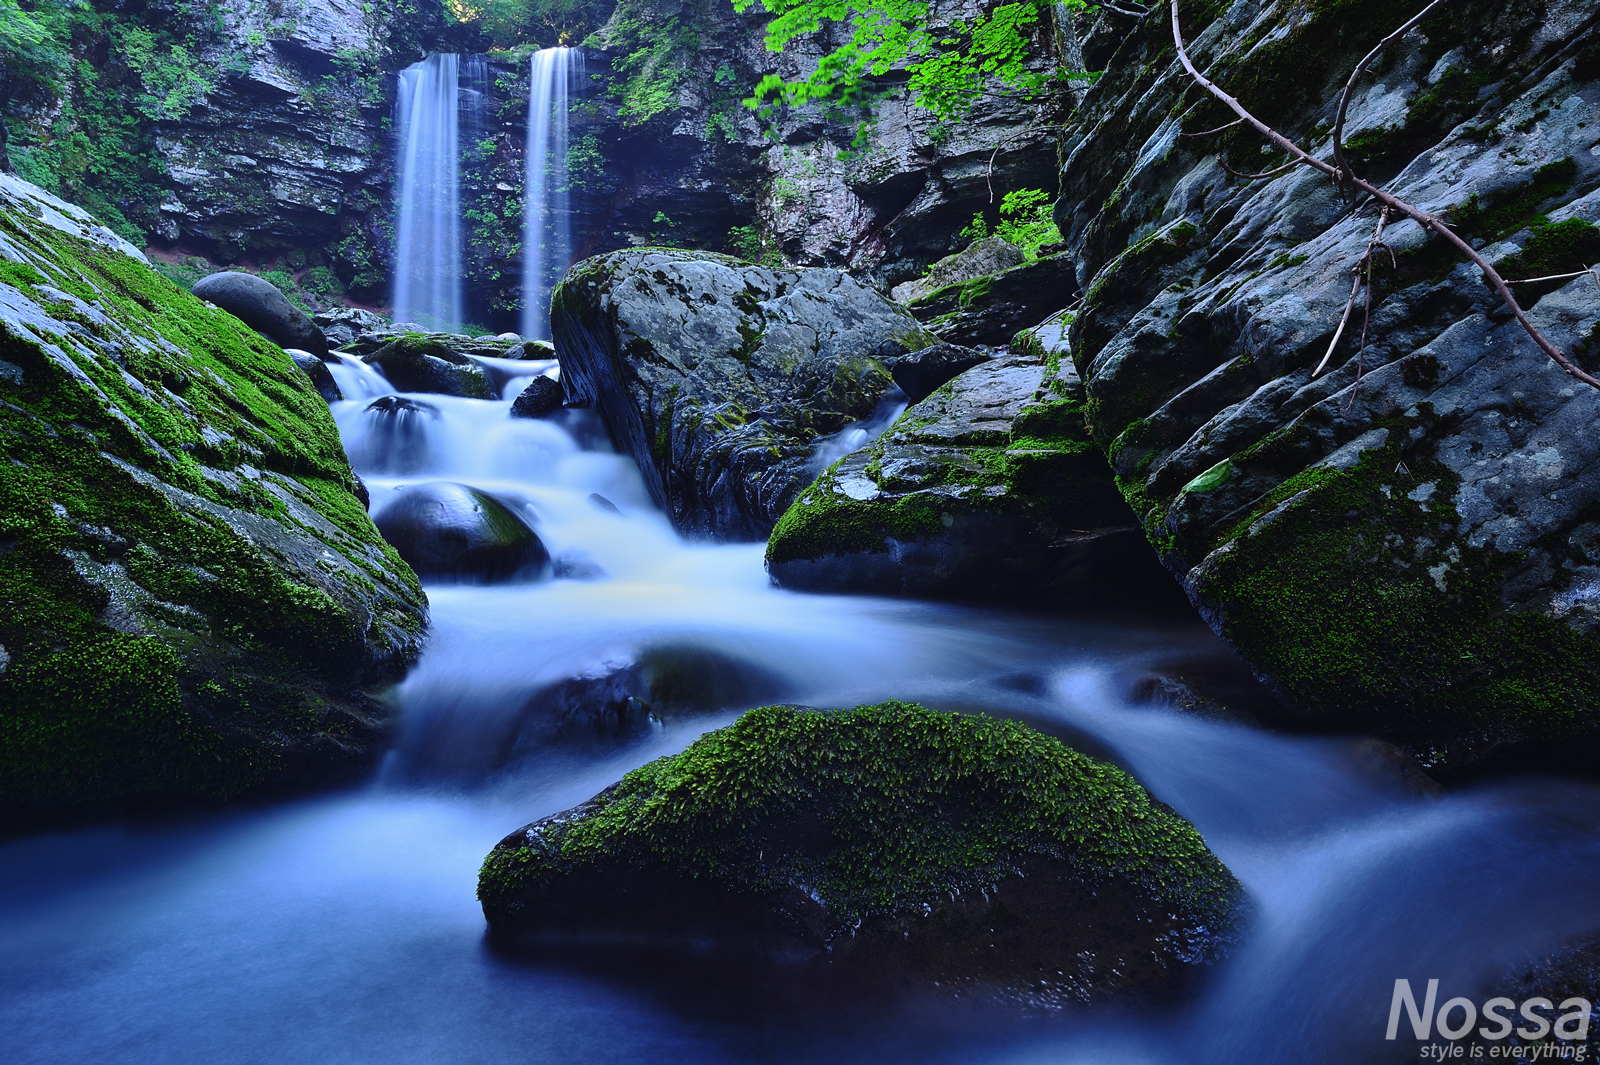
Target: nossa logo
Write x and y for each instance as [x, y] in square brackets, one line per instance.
[1456, 1017]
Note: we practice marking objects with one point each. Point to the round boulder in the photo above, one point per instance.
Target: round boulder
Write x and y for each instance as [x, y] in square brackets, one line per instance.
[452, 532]
[258, 304]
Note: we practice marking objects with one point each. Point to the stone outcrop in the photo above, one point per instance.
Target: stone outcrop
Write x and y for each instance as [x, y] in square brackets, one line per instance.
[989, 489]
[1410, 542]
[989, 309]
[908, 849]
[981, 258]
[718, 377]
[196, 602]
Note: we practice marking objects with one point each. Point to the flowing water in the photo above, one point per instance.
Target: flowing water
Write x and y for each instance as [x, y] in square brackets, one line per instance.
[427, 269]
[343, 928]
[556, 80]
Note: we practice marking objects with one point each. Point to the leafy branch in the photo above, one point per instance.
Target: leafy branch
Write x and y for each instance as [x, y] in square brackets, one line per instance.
[1344, 176]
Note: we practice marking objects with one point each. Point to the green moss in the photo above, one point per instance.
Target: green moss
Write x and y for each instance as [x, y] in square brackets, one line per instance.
[916, 805]
[824, 521]
[1361, 597]
[134, 451]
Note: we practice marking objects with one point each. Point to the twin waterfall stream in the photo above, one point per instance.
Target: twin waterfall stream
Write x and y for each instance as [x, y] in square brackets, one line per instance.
[343, 928]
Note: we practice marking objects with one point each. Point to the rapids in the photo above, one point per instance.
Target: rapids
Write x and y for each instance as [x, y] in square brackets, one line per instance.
[343, 928]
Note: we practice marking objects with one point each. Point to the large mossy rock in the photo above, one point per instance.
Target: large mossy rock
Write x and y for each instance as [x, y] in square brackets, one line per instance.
[436, 362]
[1409, 543]
[718, 377]
[896, 843]
[989, 489]
[453, 533]
[195, 600]
[989, 309]
[259, 304]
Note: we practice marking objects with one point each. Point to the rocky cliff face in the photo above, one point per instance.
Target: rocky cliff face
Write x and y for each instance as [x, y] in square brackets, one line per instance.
[1407, 543]
[195, 602]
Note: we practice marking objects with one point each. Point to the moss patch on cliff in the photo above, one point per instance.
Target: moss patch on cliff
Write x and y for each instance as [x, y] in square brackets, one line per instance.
[914, 805]
[1360, 595]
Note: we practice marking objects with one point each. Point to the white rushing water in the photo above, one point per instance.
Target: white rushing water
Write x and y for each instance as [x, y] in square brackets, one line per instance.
[427, 273]
[344, 928]
[556, 80]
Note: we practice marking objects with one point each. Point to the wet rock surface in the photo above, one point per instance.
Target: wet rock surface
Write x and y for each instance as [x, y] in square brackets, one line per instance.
[718, 376]
[1003, 865]
[258, 304]
[541, 397]
[989, 489]
[991, 308]
[920, 372]
[451, 533]
[317, 370]
[199, 605]
[436, 362]
[1405, 543]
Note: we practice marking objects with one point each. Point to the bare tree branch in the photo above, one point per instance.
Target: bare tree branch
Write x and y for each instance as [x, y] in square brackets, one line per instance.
[1350, 87]
[1209, 132]
[1274, 172]
[1427, 221]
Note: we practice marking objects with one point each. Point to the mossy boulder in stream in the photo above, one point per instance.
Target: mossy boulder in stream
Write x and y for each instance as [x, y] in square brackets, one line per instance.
[989, 489]
[892, 843]
[195, 603]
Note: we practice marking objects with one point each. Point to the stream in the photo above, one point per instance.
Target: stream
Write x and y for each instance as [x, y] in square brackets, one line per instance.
[344, 928]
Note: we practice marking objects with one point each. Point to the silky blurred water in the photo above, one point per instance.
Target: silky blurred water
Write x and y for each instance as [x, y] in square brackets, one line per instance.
[344, 928]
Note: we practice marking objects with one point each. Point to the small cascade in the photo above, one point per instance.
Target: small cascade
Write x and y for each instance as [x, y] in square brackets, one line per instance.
[547, 246]
[427, 277]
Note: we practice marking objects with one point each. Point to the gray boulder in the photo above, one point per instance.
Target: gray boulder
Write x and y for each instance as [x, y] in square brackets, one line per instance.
[343, 325]
[718, 376]
[1408, 543]
[258, 304]
[989, 489]
[990, 309]
[981, 258]
[451, 532]
[317, 371]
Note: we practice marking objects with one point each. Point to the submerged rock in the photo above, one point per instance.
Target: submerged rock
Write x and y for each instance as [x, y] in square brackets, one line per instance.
[542, 396]
[196, 602]
[433, 362]
[905, 847]
[659, 684]
[990, 309]
[1408, 543]
[718, 376]
[453, 532]
[989, 489]
[257, 303]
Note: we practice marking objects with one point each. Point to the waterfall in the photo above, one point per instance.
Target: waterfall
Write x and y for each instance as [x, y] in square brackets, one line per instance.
[547, 217]
[427, 278]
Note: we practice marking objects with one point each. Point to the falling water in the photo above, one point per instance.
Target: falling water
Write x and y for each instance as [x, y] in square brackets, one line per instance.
[427, 277]
[547, 216]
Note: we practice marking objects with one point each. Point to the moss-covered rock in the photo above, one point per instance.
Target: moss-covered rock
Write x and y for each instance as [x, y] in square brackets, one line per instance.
[890, 841]
[989, 489]
[719, 377]
[1409, 542]
[989, 309]
[195, 602]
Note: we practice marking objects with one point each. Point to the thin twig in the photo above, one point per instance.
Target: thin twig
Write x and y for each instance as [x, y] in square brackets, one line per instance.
[1427, 221]
[1350, 88]
[988, 173]
[1209, 132]
[1349, 304]
[1366, 320]
[1141, 13]
[1274, 172]
[1589, 270]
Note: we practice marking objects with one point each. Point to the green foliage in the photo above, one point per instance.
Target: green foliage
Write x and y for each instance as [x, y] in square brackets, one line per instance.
[950, 66]
[976, 229]
[753, 246]
[1026, 221]
[914, 805]
[653, 67]
[540, 23]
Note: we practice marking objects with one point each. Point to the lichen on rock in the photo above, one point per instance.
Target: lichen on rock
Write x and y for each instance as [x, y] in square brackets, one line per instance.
[892, 842]
[196, 603]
